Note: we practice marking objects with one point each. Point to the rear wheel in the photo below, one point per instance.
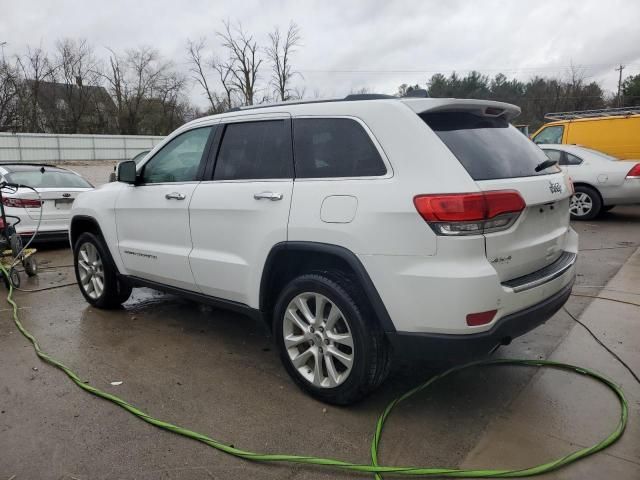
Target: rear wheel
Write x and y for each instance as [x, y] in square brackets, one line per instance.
[96, 273]
[585, 203]
[328, 340]
[30, 266]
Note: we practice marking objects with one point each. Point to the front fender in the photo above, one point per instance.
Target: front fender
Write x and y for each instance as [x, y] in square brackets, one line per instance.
[99, 205]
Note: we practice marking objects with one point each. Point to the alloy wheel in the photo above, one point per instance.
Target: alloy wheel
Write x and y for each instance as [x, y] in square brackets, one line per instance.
[318, 340]
[91, 270]
[581, 204]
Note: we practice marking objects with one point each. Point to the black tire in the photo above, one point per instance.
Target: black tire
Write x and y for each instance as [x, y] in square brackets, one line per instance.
[371, 353]
[115, 291]
[14, 276]
[589, 195]
[30, 266]
[16, 243]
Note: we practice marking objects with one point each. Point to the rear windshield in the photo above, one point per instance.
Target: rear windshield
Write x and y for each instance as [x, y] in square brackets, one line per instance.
[488, 148]
[48, 179]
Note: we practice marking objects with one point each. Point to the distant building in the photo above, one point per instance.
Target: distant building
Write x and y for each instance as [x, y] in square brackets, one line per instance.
[73, 108]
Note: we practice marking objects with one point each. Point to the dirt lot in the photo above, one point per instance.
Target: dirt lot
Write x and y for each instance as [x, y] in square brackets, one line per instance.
[216, 372]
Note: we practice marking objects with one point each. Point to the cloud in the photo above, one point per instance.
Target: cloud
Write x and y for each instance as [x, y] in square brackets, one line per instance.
[348, 45]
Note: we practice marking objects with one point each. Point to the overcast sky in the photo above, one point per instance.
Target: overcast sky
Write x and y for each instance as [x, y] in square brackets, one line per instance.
[351, 44]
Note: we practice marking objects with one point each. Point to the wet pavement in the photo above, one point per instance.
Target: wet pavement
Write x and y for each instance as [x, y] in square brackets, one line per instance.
[217, 372]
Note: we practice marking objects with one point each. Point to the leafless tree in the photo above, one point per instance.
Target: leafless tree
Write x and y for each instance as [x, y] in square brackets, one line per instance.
[79, 72]
[134, 79]
[8, 95]
[225, 75]
[34, 68]
[279, 52]
[198, 70]
[244, 60]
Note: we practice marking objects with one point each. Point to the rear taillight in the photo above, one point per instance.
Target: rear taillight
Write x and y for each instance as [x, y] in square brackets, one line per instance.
[21, 202]
[470, 213]
[570, 185]
[634, 172]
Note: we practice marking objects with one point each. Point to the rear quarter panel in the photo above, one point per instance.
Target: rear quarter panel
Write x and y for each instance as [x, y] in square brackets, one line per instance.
[386, 221]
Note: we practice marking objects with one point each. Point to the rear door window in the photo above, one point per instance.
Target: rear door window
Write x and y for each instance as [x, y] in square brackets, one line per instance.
[254, 151]
[487, 147]
[572, 159]
[334, 147]
[555, 155]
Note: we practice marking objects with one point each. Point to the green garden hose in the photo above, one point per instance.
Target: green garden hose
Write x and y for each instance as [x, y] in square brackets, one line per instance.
[373, 468]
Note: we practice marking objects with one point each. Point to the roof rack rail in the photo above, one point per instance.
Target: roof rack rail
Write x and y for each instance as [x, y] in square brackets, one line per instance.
[349, 98]
[600, 112]
[366, 96]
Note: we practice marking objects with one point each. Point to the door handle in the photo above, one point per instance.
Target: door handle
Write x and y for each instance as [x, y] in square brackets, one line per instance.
[273, 196]
[175, 196]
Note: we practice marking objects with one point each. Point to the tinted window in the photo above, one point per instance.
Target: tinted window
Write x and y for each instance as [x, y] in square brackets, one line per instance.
[487, 147]
[572, 159]
[555, 155]
[139, 157]
[48, 179]
[550, 135]
[255, 150]
[179, 160]
[334, 147]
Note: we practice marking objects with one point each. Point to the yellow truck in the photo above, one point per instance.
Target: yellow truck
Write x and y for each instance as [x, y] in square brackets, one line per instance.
[615, 131]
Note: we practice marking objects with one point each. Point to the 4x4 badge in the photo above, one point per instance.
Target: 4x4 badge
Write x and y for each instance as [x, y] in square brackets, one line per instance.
[555, 187]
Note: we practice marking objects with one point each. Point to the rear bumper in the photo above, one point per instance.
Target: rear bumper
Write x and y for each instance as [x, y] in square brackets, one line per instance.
[626, 194]
[448, 346]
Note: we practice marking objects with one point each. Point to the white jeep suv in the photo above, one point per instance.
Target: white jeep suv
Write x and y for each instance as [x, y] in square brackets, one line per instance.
[352, 227]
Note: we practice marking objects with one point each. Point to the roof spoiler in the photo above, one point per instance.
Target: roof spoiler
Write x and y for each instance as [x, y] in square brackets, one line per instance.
[485, 108]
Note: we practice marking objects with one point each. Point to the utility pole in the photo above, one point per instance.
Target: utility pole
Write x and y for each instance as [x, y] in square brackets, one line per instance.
[619, 69]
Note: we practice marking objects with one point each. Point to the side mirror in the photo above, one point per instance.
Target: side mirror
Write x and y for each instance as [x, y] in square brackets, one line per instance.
[126, 172]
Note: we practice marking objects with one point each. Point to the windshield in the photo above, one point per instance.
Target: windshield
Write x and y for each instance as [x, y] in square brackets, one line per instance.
[48, 179]
[487, 147]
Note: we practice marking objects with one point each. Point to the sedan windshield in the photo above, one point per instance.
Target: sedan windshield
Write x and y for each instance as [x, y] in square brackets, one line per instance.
[48, 179]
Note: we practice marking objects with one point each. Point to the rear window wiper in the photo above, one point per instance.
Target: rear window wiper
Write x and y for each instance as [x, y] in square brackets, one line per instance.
[546, 164]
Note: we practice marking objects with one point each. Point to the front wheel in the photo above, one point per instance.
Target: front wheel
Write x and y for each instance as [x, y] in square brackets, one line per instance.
[329, 342]
[96, 273]
[585, 203]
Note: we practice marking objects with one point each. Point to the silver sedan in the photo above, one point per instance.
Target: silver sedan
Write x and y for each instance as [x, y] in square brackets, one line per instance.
[601, 182]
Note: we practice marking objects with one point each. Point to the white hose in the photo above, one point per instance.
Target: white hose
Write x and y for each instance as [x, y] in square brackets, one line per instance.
[17, 257]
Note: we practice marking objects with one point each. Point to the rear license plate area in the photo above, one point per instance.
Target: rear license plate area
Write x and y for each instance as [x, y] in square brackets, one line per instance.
[64, 203]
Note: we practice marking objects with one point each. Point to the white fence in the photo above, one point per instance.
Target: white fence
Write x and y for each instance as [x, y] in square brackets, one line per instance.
[43, 147]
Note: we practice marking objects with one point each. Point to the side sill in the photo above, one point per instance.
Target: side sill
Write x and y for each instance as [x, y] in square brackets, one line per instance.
[197, 297]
